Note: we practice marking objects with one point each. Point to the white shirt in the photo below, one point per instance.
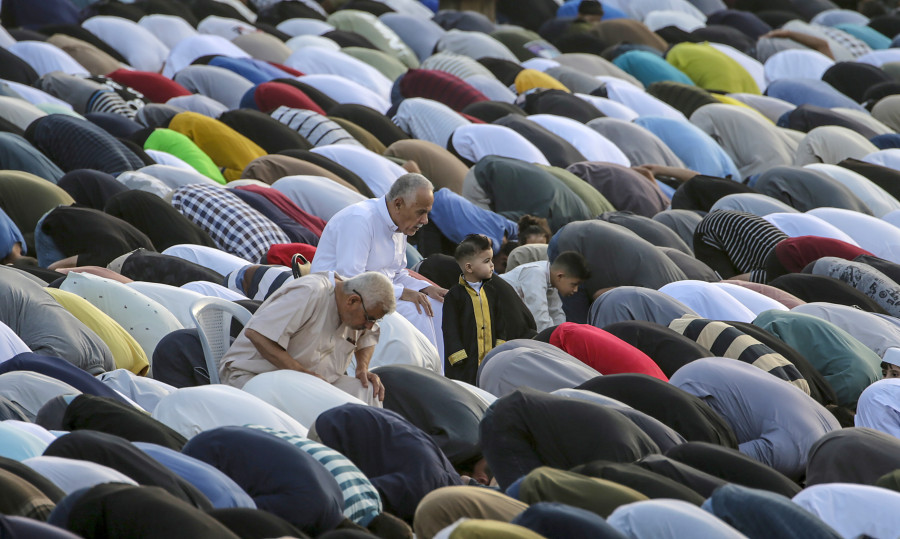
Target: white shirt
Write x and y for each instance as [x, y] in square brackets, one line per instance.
[871, 233]
[804, 224]
[378, 172]
[428, 120]
[169, 29]
[853, 510]
[317, 195]
[399, 342]
[532, 283]
[44, 58]
[191, 410]
[344, 90]
[326, 62]
[361, 238]
[591, 144]
[479, 140]
[10, 343]
[143, 50]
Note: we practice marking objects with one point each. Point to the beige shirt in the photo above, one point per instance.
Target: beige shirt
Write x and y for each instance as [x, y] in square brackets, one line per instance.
[302, 317]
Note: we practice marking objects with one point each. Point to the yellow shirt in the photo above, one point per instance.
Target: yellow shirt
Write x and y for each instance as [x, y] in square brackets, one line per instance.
[126, 351]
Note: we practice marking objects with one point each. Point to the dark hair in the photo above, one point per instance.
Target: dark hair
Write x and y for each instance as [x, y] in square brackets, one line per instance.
[471, 245]
[590, 7]
[508, 247]
[531, 225]
[573, 264]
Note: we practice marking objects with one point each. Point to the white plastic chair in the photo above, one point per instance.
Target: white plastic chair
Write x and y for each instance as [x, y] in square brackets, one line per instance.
[213, 319]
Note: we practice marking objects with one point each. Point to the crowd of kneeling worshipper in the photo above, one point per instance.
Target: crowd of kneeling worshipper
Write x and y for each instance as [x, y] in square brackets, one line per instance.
[437, 269]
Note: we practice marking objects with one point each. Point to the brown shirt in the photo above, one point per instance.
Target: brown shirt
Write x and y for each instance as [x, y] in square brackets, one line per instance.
[302, 317]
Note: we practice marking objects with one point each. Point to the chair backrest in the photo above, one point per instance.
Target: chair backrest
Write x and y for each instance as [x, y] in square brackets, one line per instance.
[213, 318]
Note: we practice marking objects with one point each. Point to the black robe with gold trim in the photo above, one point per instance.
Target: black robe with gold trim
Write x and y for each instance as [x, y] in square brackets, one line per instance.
[474, 323]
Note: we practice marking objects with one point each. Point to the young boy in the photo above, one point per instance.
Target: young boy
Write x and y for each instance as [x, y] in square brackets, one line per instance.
[480, 311]
[540, 285]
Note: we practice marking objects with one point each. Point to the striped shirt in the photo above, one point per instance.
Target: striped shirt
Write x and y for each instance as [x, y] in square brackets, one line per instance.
[725, 340]
[361, 500]
[317, 129]
[745, 238]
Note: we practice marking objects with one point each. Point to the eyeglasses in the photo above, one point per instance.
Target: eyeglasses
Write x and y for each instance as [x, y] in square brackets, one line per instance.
[369, 318]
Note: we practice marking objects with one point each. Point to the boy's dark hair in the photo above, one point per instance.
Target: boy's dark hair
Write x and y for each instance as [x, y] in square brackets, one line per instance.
[590, 7]
[508, 247]
[471, 245]
[573, 264]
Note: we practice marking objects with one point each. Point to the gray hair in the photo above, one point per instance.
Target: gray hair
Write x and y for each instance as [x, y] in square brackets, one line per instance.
[374, 289]
[407, 186]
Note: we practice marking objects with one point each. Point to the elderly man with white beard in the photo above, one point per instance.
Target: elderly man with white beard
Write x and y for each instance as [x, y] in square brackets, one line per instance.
[371, 236]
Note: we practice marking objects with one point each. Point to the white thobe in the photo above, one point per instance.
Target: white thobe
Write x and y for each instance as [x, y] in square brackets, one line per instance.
[532, 283]
[363, 237]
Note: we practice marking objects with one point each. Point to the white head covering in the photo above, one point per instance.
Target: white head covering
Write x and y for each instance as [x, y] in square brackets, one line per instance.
[169, 29]
[708, 301]
[892, 356]
[143, 50]
[478, 140]
[191, 410]
[880, 57]
[796, 224]
[887, 158]
[299, 395]
[592, 145]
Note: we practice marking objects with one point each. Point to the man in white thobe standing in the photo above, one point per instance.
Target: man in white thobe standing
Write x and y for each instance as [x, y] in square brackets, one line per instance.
[371, 236]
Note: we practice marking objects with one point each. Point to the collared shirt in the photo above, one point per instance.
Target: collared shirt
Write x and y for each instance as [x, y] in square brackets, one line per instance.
[302, 317]
[532, 283]
[362, 237]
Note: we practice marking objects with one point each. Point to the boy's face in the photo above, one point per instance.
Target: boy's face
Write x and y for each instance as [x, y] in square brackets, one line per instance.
[480, 267]
[892, 371]
[565, 284]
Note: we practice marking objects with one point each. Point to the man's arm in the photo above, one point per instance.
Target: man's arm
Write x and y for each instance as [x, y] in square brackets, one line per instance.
[363, 356]
[272, 352]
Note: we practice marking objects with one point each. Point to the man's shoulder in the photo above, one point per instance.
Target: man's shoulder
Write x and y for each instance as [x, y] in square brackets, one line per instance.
[362, 208]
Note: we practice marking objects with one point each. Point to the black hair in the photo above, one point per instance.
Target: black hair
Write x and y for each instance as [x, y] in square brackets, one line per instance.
[573, 264]
[471, 245]
[530, 225]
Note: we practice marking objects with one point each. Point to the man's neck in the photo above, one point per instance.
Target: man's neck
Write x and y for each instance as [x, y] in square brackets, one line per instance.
[387, 205]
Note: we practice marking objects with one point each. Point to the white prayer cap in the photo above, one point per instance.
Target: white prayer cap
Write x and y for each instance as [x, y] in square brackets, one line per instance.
[892, 356]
